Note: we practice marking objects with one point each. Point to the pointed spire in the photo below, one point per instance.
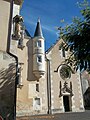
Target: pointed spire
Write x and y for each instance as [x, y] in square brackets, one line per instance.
[38, 31]
[38, 20]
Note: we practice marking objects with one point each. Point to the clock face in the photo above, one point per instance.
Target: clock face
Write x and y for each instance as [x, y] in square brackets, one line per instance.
[65, 72]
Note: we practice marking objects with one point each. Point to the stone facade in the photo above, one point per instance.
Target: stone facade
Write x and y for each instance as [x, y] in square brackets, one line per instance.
[63, 91]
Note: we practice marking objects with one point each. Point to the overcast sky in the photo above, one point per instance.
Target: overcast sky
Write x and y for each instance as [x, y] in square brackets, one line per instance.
[50, 12]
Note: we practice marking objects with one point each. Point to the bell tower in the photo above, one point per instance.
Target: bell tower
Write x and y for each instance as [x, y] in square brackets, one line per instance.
[38, 52]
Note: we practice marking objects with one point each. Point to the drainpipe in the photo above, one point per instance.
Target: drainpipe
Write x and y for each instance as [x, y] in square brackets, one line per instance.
[8, 51]
[48, 86]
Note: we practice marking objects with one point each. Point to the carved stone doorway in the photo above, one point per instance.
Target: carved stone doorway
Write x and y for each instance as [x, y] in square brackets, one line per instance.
[67, 103]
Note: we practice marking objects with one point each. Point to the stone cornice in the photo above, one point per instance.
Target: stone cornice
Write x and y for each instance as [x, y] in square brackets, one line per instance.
[18, 2]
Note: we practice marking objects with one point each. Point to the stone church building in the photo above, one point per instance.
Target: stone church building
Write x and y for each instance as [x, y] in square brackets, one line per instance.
[33, 81]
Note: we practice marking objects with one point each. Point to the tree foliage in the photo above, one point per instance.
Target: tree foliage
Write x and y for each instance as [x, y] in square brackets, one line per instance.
[76, 38]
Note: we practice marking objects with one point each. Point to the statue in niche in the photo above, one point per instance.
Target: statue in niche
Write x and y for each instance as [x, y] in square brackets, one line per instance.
[18, 20]
[18, 29]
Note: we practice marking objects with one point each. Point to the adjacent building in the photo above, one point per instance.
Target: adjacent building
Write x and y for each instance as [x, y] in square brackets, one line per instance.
[8, 60]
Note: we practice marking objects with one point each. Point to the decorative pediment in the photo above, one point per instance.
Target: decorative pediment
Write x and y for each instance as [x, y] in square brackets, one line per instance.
[65, 90]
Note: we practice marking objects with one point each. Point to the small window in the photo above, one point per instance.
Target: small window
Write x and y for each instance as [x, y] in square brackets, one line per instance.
[39, 43]
[37, 87]
[63, 52]
[37, 101]
[39, 59]
[37, 104]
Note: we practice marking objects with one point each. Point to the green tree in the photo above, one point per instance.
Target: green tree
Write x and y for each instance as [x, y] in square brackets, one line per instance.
[76, 38]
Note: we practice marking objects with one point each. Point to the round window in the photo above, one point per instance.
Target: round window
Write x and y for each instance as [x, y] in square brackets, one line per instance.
[65, 72]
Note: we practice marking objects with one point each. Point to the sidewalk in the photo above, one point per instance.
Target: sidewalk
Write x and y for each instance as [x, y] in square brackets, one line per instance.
[60, 116]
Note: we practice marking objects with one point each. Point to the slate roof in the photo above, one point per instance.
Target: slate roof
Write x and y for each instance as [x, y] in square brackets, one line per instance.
[38, 31]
